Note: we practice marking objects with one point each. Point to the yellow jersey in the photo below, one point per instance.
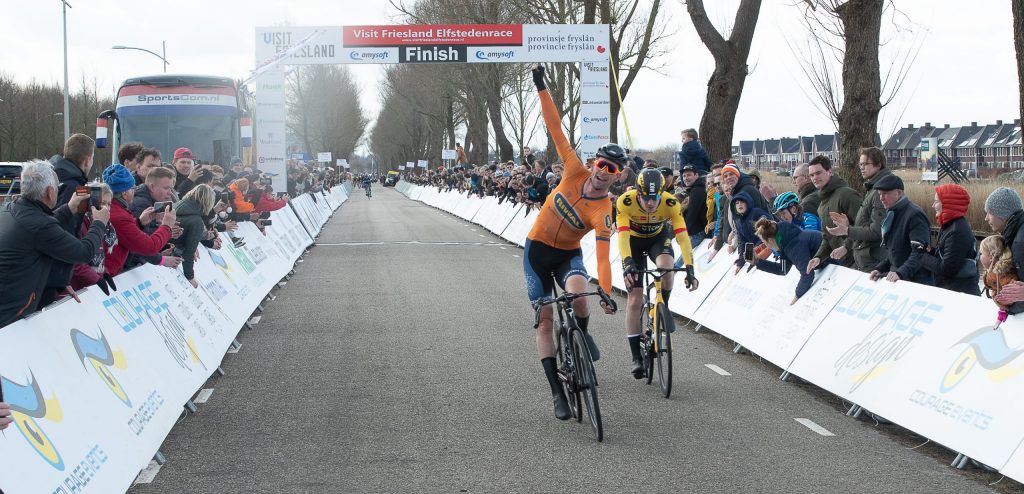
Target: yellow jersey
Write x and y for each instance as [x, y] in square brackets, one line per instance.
[634, 221]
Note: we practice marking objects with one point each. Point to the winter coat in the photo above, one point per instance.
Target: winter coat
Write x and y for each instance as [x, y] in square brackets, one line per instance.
[809, 198]
[31, 240]
[267, 203]
[696, 212]
[865, 236]
[182, 184]
[693, 154]
[836, 197]
[953, 251]
[796, 248]
[194, 225]
[70, 177]
[131, 238]
[711, 205]
[744, 223]
[909, 224]
[1013, 237]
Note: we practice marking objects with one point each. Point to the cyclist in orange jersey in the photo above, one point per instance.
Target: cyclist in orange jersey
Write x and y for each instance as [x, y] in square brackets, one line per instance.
[578, 205]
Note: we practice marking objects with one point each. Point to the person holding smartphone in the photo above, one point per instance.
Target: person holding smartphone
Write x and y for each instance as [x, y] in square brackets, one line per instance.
[745, 216]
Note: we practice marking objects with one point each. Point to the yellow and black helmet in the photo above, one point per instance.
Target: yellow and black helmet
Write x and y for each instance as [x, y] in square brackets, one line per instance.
[650, 183]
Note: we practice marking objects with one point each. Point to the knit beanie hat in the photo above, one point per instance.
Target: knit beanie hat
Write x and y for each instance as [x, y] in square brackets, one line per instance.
[118, 178]
[955, 200]
[731, 169]
[1003, 202]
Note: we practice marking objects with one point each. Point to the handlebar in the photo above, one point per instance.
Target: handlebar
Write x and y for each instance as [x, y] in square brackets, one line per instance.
[567, 297]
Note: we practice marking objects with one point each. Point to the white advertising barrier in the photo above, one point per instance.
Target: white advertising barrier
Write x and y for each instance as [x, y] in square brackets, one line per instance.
[519, 228]
[709, 273]
[457, 202]
[506, 213]
[96, 387]
[468, 208]
[588, 244]
[487, 211]
[288, 234]
[418, 192]
[305, 210]
[927, 359]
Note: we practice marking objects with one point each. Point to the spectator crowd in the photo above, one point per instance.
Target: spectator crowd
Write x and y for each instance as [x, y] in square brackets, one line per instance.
[822, 221]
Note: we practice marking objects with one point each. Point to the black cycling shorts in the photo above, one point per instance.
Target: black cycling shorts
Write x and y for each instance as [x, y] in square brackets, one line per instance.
[652, 246]
[541, 262]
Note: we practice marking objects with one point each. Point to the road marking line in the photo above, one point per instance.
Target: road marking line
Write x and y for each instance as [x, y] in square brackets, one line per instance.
[514, 255]
[147, 474]
[204, 394]
[503, 248]
[814, 427]
[481, 234]
[718, 370]
[472, 229]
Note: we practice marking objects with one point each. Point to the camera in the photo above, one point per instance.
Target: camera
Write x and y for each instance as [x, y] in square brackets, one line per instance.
[95, 196]
[267, 222]
[160, 206]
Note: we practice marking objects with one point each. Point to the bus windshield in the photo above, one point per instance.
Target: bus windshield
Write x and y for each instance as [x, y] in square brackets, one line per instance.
[168, 112]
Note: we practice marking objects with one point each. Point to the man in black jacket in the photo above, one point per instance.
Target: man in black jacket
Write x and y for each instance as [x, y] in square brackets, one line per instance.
[696, 215]
[32, 238]
[905, 230]
[1004, 214]
[72, 172]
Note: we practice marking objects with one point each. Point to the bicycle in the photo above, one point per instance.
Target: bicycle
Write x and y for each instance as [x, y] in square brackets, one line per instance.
[575, 363]
[656, 337]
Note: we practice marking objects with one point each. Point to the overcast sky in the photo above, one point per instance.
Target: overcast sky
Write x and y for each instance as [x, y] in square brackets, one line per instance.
[965, 70]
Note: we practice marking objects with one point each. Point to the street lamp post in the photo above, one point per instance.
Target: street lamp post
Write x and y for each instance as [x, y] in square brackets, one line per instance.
[67, 104]
[157, 55]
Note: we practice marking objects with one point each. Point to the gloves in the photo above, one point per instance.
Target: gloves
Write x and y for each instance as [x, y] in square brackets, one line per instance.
[538, 77]
[691, 280]
[629, 269]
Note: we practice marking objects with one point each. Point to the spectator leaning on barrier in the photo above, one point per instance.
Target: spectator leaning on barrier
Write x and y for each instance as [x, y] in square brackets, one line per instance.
[148, 159]
[72, 172]
[796, 247]
[159, 187]
[805, 189]
[192, 211]
[1000, 271]
[836, 197]
[864, 238]
[1004, 214]
[905, 233]
[952, 261]
[693, 153]
[94, 273]
[713, 191]
[745, 215]
[32, 238]
[130, 237]
[787, 208]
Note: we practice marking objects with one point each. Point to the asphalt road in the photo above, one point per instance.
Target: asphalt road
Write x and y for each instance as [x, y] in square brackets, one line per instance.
[400, 358]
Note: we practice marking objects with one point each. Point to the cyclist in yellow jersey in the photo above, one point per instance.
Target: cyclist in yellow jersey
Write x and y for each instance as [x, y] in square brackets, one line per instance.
[641, 215]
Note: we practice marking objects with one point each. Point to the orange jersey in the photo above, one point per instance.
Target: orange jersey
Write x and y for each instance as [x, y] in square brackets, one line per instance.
[567, 215]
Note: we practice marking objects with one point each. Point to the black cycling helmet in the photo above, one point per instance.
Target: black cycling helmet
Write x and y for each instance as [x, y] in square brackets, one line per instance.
[666, 171]
[650, 183]
[615, 153]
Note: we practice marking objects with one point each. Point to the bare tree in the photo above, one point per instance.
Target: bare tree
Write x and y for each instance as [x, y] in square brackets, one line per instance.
[725, 87]
[847, 33]
[324, 109]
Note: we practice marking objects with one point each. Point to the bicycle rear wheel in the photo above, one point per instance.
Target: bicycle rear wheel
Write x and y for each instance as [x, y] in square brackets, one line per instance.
[586, 382]
[663, 336]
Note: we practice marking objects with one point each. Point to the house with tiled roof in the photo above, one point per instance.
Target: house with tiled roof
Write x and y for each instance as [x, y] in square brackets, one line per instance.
[745, 156]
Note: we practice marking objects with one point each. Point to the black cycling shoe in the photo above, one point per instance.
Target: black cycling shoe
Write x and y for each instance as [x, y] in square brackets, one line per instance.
[595, 353]
[562, 411]
[638, 369]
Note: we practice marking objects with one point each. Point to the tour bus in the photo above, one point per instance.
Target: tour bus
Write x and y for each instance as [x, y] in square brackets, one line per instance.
[207, 114]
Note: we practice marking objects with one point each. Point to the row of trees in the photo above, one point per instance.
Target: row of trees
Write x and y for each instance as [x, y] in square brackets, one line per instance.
[324, 112]
[422, 105]
[32, 117]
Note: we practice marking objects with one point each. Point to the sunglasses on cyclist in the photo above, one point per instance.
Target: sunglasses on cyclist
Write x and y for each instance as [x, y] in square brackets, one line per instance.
[655, 197]
[608, 166]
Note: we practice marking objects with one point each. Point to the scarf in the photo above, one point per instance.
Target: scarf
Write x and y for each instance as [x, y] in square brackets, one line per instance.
[890, 214]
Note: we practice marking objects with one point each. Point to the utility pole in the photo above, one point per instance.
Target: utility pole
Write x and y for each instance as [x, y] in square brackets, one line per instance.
[67, 104]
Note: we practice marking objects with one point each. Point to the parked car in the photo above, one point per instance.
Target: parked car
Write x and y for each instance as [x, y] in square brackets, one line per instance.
[10, 180]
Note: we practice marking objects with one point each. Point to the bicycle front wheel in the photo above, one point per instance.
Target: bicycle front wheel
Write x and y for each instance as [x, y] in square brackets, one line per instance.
[567, 375]
[663, 336]
[586, 382]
